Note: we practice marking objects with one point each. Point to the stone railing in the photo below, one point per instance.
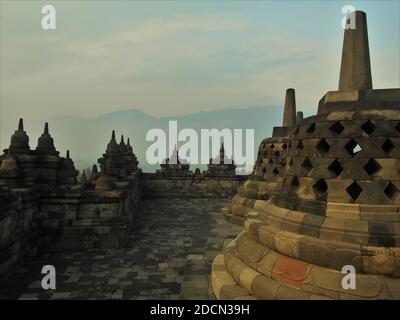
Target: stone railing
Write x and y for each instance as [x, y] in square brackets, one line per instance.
[189, 186]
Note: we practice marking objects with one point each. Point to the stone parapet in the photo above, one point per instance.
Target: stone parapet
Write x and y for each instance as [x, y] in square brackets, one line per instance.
[194, 186]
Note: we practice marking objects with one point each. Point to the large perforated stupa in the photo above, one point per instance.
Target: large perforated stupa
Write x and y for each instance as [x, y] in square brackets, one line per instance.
[267, 175]
[339, 201]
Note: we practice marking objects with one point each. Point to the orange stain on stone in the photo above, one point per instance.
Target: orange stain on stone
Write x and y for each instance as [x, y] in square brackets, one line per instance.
[290, 271]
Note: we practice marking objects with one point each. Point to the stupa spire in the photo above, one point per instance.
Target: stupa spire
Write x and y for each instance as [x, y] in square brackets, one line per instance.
[46, 128]
[21, 125]
[355, 69]
[289, 113]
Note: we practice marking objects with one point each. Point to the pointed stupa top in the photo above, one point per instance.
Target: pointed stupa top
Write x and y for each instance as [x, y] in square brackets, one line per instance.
[45, 142]
[93, 174]
[83, 177]
[174, 158]
[222, 153]
[122, 145]
[112, 146]
[19, 140]
[355, 69]
[129, 147]
[289, 113]
[21, 125]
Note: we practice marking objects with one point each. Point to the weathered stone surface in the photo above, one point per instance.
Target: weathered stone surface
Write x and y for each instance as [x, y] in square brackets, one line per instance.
[339, 200]
[168, 255]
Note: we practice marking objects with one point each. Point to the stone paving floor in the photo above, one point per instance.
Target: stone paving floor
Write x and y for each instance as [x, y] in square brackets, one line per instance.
[168, 256]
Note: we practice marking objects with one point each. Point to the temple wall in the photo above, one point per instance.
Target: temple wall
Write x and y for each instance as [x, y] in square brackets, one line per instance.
[63, 219]
[159, 186]
[38, 219]
[18, 230]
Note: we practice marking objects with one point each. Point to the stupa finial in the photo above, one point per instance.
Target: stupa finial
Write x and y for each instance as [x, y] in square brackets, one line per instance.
[289, 113]
[21, 125]
[355, 68]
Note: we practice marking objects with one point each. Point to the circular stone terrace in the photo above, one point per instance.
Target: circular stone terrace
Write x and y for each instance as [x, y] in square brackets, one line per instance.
[168, 256]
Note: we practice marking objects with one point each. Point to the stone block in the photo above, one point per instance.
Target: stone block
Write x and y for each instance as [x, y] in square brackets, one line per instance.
[247, 277]
[288, 293]
[290, 271]
[265, 288]
[267, 263]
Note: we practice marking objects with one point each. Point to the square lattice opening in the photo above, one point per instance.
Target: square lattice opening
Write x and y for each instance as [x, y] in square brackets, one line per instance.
[368, 127]
[337, 128]
[335, 167]
[323, 146]
[354, 190]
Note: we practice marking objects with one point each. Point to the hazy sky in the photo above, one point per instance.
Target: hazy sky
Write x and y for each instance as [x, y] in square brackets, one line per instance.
[178, 57]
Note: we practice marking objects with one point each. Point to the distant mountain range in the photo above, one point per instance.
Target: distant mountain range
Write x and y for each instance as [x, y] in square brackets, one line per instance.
[87, 138]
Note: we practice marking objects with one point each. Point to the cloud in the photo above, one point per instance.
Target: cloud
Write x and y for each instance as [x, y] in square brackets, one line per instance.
[152, 31]
[173, 66]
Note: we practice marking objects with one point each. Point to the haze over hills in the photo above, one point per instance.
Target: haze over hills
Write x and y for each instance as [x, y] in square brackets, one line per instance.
[87, 138]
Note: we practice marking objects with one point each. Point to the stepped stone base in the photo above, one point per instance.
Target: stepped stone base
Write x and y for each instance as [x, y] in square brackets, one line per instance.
[251, 196]
[276, 257]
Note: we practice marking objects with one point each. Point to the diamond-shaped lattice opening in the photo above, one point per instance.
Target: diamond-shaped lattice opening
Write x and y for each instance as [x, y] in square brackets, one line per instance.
[320, 187]
[275, 171]
[284, 146]
[372, 167]
[277, 153]
[300, 145]
[397, 127]
[311, 128]
[337, 127]
[270, 161]
[352, 147]
[335, 167]
[295, 182]
[291, 162]
[307, 166]
[272, 146]
[388, 145]
[368, 127]
[323, 146]
[391, 191]
[265, 153]
[283, 162]
[354, 190]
